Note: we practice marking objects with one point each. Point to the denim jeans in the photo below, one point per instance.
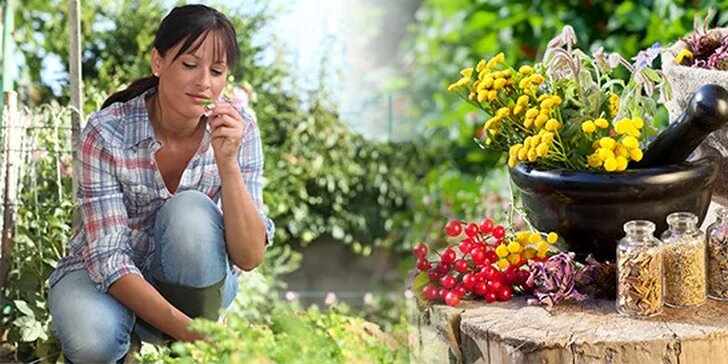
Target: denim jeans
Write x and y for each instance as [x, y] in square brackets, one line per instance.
[94, 327]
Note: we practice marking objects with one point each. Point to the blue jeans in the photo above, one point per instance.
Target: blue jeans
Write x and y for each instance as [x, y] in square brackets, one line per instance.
[94, 327]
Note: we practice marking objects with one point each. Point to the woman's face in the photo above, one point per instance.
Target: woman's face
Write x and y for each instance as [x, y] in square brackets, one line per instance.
[185, 82]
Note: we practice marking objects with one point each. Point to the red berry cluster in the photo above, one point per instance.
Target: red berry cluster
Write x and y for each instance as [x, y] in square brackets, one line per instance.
[466, 269]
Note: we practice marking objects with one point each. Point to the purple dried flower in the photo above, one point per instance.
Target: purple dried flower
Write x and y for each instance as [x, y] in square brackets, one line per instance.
[645, 57]
[554, 280]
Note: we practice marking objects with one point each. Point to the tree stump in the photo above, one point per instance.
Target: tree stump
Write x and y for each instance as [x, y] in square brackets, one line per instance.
[587, 332]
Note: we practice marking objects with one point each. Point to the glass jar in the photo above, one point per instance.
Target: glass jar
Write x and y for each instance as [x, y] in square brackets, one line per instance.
[684, 261]
[717, 235]
[639, 271]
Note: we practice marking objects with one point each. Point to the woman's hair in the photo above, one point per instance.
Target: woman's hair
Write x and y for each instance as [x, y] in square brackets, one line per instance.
[184, 24]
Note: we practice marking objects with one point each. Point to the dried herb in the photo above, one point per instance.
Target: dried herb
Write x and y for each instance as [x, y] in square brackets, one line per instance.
[718, 263]
[684, 267]
[554, 280]
[640, 282]
[709, 48]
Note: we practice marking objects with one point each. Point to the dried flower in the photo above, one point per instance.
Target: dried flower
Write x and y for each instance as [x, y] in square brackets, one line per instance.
[554, 280]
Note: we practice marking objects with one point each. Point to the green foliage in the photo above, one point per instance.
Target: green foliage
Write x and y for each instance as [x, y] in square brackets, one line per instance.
[43, 225]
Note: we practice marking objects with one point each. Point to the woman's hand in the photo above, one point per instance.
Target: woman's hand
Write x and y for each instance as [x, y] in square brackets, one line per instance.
[226, 128]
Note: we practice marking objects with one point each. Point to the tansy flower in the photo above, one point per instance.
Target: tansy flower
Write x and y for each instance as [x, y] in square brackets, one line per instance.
[682, 55]
[502, 264]
[514, 258]
[502, 251]
[525, 70]
[607, 143]
[601, 123]
[542, 149]
[514, 247]
[553, 125]
[588, 127]
[635, 155]
[467, 72]
[552, 237]
[480, 66]
[610, 164]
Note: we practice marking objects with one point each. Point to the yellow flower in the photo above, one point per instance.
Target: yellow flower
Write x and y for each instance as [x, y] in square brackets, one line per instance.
[621, 163]
[534, 237]
[503, 112]
[502, 264]
[541, 254]
[552, 237]
[547, 137]
[621, 150]
[613, 104]
[604, 154]
[537, 79]
[630, 142]
[622, 126]
[526, 70]
[682, 55]
[542, 149]
[513, 150]
[610, 164]
[512, 161]
[487, 82]
[532, 155]
[522, 236]
[522, 100]
[515, 247]
[528, 122]
[499, 83]
[540, 120]
[502, 251]
[601, 123]
[635, 155]
[491, 123]
[527, 142]
[482, 96]
[553, 125]
[514, 258]
[547, 104]
[542, 246]
[506, 73]
[594, 161]
[532, 113]
[607, 143]
[492, 95]
[523, 154]
[467, 72]
[517, 109]
[638, 122]
[556, 100]
[529, 253]
[480, 65]
[588, 127]
[489, 141]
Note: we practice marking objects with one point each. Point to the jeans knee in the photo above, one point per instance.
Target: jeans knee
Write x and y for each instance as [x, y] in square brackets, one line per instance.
[190, 236]
[96, 343]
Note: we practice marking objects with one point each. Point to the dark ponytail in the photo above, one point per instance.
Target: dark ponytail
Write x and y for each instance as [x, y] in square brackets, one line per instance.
[136, 88]
[185, 23]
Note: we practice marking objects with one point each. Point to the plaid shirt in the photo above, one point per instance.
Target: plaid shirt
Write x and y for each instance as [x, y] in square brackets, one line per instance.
[120, 190]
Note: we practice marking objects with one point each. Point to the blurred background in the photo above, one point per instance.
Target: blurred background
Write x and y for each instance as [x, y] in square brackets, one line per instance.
[366, 152]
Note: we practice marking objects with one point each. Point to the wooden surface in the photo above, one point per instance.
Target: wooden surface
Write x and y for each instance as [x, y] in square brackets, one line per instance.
[588, 332]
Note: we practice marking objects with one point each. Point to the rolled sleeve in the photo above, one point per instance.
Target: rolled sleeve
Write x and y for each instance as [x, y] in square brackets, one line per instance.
[106, 251]
[251, 160]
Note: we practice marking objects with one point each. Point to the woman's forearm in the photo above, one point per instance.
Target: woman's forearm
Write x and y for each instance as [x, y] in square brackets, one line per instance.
[143, 299]
[244, 229]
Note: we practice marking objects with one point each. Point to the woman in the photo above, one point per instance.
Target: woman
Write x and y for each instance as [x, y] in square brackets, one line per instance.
[170, 199]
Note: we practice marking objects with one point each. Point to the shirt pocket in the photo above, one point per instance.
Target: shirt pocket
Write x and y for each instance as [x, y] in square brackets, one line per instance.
[140, 197]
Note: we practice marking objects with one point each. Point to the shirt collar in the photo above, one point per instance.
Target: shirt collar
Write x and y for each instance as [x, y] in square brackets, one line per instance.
[138, 127]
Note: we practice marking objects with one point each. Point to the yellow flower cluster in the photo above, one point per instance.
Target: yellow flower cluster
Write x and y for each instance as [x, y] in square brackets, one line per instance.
[533, 148]
[613, 104]
[682, 55]
[526, 245]
[612, 154]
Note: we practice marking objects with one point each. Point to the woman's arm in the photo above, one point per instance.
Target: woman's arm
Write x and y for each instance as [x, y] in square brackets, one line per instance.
[141, 297]
[244, 229]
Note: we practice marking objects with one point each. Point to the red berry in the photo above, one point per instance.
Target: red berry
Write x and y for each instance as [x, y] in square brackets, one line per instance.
[461, 266]
[495, 286]
[471, 230]
[491, 255]
[452, 299]
[443, 292]
[478, 255]
[443, 267]
[479, 277]
[486, 226]
[490, 273]
[448, 281]
[468, 281]
[499, 232]
[433, 275]
[448, 256]
[430, 292]
[420, 250]
[460, 290]
[423, 264]
[509, 278]
[465, 246]
[522, 276]
[480, 288]
[490, 297]
[504, 294]
[453, 228]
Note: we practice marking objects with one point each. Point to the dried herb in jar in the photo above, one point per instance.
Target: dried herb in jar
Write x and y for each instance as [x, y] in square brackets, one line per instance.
[718, 256]
[639, 270]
